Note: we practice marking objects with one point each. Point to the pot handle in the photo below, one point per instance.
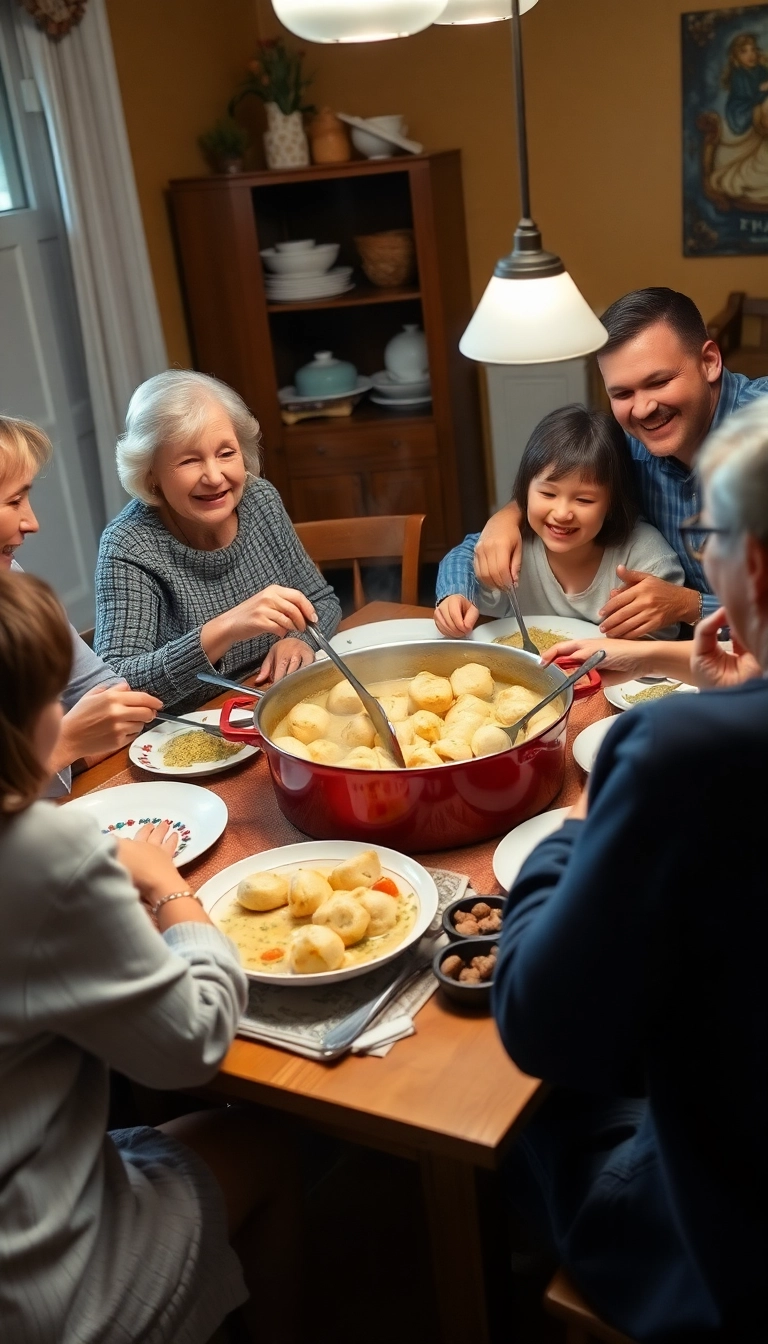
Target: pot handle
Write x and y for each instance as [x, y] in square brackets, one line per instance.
[238, 734]
[593, 679]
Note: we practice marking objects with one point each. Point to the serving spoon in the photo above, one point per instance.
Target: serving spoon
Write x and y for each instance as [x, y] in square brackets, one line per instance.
[375, 712]
[194, 724]
[513, 730]
[528, 643]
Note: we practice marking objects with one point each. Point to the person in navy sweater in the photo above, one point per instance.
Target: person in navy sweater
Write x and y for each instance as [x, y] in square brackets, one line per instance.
[631, 977]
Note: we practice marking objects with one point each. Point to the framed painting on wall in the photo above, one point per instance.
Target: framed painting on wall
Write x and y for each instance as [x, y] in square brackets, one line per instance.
[725, 131]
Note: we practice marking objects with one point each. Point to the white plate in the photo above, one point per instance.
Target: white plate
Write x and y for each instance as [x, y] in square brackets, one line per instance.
[400, 401]
[197, 815]
[299, 298]
[392, 138]
[514, 849]
[616, 695]
[589, 742]
[289, 396]
[566, 626]
[146, 749]
[386, 386]
[406, 631]
[221, 888]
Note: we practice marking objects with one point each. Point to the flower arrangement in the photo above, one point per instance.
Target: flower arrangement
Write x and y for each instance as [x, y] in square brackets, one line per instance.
[275, 76]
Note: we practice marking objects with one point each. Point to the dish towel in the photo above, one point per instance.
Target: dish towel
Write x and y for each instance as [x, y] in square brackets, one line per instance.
[299, 1019]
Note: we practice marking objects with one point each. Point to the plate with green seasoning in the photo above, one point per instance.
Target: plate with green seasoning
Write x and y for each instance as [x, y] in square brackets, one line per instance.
[176, 752]
[631, 693]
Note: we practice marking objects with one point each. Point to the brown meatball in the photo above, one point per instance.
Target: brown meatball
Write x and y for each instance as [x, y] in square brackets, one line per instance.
[451, 966]
[481, 910]
[491, 923]
[485, 966]
[468, 928]
[460, 916]
[469, 976]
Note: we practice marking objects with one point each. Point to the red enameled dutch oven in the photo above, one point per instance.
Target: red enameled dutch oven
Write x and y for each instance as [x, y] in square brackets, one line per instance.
[435, 808]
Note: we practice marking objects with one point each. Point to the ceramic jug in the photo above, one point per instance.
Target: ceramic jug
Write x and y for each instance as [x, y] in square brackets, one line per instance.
[328, 138]
[405, 356]
[326, 376]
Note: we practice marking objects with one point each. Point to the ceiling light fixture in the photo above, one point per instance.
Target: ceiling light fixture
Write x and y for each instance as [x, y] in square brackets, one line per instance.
[480, 11]
[531, 311]
[356, 20]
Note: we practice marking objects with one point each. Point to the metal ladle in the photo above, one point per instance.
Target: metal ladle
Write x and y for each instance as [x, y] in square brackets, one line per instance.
[528, 643]
[375, 712]
[514, 729]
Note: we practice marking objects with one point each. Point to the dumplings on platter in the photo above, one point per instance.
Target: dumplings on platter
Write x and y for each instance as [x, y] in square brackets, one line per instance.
[345, 915]
[438, 721]
[428, 691]
[316, 948]
[361, 871]
[307, 891]
[263, 891]
[473, 679]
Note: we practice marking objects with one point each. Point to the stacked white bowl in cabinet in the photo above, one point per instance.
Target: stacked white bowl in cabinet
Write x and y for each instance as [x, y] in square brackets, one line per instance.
[304, 269]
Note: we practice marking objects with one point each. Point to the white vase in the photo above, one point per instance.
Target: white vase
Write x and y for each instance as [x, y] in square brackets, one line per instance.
[285, 144]
[405, 356]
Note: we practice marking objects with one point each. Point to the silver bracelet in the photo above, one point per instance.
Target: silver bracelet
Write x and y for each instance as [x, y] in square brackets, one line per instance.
[172, 896]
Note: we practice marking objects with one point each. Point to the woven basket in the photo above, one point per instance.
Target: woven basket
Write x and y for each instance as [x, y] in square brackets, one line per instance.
[389, 258]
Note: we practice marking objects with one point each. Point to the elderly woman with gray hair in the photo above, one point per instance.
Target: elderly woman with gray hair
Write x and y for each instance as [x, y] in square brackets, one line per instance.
[631, 974]
[203, 570]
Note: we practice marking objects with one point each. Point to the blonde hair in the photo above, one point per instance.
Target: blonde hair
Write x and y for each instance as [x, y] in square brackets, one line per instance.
[734, 467]
[735, 47]
[173, 407]
[35, 666]
[23, 448]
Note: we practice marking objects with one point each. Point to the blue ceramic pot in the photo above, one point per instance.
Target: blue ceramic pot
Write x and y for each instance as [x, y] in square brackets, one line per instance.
[326, 376]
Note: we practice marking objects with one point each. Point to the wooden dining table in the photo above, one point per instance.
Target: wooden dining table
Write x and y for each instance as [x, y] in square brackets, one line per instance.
[448, 1097]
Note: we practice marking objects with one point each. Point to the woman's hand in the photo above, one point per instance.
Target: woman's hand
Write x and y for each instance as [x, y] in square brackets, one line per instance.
[288, 655]
[103, 720]
[455, 616]
[627, 656]
[711, 664]
[499, 552]
[274, 611]
[149, 861]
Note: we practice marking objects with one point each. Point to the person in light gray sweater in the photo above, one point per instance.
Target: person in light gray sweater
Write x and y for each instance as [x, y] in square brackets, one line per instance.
[106, 961]
[203, 570]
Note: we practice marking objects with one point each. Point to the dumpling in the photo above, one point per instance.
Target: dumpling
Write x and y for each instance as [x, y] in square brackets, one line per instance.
[294, 746]
[427, 725]
[420, 755]
[263, 891]
[513, 703]
[343, 699]
[545, 717]
[324, 751]
[488, 740]
[363, 758]
[464, 726]
[307, 892]
[382, 910]
[345, 915]
[469, 704]
[395, 707]
[308, 722]
[404, 731]
[473, 679]
[428, 691]
[315, 948]
[453, 749]
[361, 871]
[359, 732]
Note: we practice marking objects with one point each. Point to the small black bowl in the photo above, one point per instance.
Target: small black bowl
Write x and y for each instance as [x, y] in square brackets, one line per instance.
[469, 996]
[466, 903]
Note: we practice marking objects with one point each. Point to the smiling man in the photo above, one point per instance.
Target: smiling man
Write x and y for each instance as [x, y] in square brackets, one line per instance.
[668, 389]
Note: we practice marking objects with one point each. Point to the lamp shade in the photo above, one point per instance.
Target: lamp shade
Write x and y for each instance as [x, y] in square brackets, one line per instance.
[532, 321]
[480, 11]
[356, 20]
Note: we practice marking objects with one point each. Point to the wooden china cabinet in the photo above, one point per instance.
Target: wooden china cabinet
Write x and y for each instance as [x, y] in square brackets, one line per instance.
[376, 461]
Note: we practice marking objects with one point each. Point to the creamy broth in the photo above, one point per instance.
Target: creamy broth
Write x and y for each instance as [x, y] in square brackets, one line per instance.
[255, 931]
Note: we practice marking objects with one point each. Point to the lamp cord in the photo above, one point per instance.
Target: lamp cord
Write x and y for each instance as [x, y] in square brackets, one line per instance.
[522, 137]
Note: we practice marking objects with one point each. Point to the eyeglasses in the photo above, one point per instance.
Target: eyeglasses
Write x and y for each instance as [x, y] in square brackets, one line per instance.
[695, 536]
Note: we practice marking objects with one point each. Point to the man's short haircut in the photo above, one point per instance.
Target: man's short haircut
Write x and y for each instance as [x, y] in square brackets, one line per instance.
[630, 315]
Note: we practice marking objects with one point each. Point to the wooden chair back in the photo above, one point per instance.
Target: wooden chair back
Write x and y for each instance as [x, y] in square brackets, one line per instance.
[561, 1299]
[727, 329]
[389, 536]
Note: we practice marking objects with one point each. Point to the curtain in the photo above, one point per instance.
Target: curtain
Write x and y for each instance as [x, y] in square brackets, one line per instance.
[122, 335]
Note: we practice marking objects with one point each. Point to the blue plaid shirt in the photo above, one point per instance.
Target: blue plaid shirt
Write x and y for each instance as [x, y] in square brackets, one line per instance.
[669, 491]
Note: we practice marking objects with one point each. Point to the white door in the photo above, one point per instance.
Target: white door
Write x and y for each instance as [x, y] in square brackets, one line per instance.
[42, 366]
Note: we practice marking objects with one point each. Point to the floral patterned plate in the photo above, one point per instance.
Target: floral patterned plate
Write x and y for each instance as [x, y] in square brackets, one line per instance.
[198, 816]
[146, 750]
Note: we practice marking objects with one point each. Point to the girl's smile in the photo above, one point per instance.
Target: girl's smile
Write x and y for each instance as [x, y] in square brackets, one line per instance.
[567, 513]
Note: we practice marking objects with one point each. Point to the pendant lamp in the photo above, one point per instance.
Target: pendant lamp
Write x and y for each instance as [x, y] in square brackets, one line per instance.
[531, 311]
[356, 20]
[480, 11]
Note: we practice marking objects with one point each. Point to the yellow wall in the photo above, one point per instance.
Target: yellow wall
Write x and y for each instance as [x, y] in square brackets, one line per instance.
[603, 89]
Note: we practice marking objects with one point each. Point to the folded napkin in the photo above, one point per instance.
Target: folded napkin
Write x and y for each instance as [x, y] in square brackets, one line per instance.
[298, 1019]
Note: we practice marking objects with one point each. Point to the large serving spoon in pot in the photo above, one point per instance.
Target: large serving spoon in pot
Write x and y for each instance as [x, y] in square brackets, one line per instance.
[528, 643]
[375, 712]
[513, 730]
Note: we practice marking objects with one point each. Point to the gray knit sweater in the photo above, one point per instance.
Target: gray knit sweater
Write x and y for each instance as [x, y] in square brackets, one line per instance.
[154, 594]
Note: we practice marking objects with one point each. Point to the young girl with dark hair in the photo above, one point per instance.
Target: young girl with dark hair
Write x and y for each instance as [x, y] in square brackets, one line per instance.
[575, 492]
[108, 960]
